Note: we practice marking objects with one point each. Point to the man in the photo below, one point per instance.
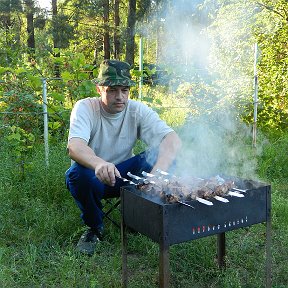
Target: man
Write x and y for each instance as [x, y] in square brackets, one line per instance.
[103, 132]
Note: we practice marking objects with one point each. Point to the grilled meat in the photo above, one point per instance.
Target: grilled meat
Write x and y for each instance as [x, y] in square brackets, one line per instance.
[173, 190]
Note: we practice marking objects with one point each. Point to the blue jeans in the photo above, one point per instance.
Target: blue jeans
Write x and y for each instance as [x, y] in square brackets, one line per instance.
[88, 191]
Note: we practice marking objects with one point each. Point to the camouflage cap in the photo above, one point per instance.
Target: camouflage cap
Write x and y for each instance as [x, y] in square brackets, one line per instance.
[114, 73]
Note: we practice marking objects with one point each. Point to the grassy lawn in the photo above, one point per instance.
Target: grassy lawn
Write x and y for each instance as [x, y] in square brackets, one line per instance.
[40, 226]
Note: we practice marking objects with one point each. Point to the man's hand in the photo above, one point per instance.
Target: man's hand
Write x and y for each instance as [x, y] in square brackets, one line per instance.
[80, 152]
[168, 150]
[107, 172]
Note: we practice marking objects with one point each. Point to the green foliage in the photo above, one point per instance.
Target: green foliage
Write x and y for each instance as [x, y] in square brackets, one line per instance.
[20, 101]
[61, 30]
[20, 141]
[143, 8]
[8, 6]
[202, 98]
[172, 108]
[273, 64]
[152, 75]
[77, 75]
[21, 144]
[21, 95]
[236, 26]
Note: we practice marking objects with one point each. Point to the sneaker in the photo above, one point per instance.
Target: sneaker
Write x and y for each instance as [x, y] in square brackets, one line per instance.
[88, 241]
[99, 233]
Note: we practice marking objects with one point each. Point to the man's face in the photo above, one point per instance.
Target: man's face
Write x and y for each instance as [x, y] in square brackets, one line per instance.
[114, 98]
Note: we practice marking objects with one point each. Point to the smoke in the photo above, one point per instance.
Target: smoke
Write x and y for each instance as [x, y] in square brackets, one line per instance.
[214, 141]
[215, 144]
[181, 40]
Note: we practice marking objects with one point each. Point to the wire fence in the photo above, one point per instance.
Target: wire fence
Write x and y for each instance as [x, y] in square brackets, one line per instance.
[45, 115]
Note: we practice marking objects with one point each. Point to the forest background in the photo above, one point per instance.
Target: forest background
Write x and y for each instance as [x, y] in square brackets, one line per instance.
[206, 67]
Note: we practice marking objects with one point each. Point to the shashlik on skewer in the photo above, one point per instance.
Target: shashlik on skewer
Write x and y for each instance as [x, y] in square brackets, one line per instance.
[173, 190]
[217, 187]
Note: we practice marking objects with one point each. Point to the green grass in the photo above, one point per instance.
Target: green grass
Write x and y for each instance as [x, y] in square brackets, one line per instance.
[40, 225]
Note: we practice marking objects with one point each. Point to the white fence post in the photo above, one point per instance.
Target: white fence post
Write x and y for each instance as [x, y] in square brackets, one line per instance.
[140, 66]
[45, 115]
[255, 94]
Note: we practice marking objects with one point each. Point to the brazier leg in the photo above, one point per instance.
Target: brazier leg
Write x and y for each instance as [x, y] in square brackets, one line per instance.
[221, 250]
[164, 273]
[268, 242]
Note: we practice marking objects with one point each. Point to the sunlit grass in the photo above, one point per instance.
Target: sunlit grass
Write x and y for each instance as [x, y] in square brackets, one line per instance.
[40, 225]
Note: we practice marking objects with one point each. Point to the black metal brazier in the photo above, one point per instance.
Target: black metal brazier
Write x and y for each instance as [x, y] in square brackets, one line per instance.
[172, 223]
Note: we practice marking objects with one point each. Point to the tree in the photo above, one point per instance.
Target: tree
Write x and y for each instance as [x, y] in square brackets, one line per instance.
[106, 37]
[116, 31]
[130, 32]
[29, 12]
[10, 28]
[55, 38]
[62, 33]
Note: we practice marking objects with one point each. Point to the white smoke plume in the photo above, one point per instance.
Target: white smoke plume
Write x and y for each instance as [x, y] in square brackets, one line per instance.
[217, 141]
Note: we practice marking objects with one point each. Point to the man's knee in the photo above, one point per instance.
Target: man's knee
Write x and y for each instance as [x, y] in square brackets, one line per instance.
[80, 174]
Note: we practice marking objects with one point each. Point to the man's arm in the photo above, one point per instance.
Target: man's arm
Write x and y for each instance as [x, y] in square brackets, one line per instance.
[168, 149]
[80, 152]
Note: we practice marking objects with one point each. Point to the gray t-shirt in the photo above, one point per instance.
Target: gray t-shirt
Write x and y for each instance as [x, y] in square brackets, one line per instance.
[113, 136]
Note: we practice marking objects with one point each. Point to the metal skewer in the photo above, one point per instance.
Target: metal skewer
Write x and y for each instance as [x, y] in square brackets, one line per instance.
[145, 181]
[221, 199]
[239, 190]
[183, 203]
[134, 176]
[126, 180]
[204, 201]
[162, 172]
[236, 194]
[147, 174]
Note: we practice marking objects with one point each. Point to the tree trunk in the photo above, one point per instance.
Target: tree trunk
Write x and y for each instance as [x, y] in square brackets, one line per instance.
[6, 20]
[56, 45]
[116, 31]
[106, 39]
[30, 27]
[130, 43]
